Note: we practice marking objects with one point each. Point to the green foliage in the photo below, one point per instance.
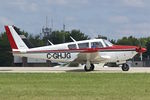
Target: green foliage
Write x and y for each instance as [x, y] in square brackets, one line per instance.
[113, 41]
[148, 49]
[6, 58]
[35, 40]
[21, 32]
[128, 41]
[101, 37]
[77, 35]
[58, 37]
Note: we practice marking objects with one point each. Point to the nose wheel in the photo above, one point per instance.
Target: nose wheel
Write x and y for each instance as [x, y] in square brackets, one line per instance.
[125, 67]
[89, 68]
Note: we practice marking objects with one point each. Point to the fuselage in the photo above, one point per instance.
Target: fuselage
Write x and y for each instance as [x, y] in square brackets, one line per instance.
[68, 52]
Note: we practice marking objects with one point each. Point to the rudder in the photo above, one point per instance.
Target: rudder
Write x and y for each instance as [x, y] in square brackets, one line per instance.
[14, 39]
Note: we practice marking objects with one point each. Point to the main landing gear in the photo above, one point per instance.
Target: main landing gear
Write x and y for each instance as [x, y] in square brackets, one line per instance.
[125, 67]
[89, 67]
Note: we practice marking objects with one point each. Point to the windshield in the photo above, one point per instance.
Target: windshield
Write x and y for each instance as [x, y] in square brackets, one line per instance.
[107, 43]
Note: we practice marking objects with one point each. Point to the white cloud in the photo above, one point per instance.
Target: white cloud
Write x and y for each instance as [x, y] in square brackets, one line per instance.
[24, 5]
[134, 3]
[33, 7]
[119, 19]
[5, 21]
[140, 29]
[70, 19]
[67, 2]
[59, 2]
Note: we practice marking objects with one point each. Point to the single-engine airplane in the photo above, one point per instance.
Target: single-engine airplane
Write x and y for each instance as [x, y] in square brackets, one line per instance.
[87, 52]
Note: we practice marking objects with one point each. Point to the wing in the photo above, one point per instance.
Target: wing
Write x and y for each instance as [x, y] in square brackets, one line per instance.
[93, 57]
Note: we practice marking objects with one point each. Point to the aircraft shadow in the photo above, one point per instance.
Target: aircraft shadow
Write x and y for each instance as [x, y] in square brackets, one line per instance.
[76, 70]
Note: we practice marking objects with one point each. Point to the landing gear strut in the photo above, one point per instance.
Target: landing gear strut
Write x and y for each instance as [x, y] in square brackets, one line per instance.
[125, 67]
[89, 68]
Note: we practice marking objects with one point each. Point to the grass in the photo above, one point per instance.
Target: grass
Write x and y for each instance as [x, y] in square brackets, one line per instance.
[74, 86]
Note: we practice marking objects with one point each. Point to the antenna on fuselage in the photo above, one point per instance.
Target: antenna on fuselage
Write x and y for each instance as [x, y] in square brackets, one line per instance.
[73, 39]
[50, 42]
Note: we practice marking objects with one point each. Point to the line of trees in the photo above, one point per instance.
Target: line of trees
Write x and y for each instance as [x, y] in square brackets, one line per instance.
[6, 58]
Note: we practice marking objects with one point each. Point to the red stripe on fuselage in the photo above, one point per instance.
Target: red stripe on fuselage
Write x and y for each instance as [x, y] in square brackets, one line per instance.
[10, 38]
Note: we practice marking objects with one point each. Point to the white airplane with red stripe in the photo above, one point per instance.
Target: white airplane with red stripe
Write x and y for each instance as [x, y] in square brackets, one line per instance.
[87, 52]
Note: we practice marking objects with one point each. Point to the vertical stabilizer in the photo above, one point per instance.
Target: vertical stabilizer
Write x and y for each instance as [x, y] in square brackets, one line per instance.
[15, 40]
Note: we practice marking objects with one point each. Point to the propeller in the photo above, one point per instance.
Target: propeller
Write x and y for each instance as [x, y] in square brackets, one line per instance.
[141, 53]
[141, 50]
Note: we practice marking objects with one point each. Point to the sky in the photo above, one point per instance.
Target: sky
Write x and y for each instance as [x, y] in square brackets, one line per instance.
[111, 18]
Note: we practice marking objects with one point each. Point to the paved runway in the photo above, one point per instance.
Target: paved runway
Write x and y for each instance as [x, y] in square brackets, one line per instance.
[58, 69]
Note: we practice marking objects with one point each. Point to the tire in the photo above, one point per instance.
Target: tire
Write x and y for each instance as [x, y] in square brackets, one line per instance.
[125, 67]
[90, 69]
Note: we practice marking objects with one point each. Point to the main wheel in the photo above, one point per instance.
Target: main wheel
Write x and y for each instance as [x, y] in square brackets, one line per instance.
[125, 67]
[89, 69]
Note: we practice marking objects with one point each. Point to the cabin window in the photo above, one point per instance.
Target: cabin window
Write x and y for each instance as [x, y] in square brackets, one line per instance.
[83, 45]
[72, 46]
[96, 45]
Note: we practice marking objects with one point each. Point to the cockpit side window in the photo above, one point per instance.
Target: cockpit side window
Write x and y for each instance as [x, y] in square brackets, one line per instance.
[96, 45]
[83, 45]
[72, 46]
